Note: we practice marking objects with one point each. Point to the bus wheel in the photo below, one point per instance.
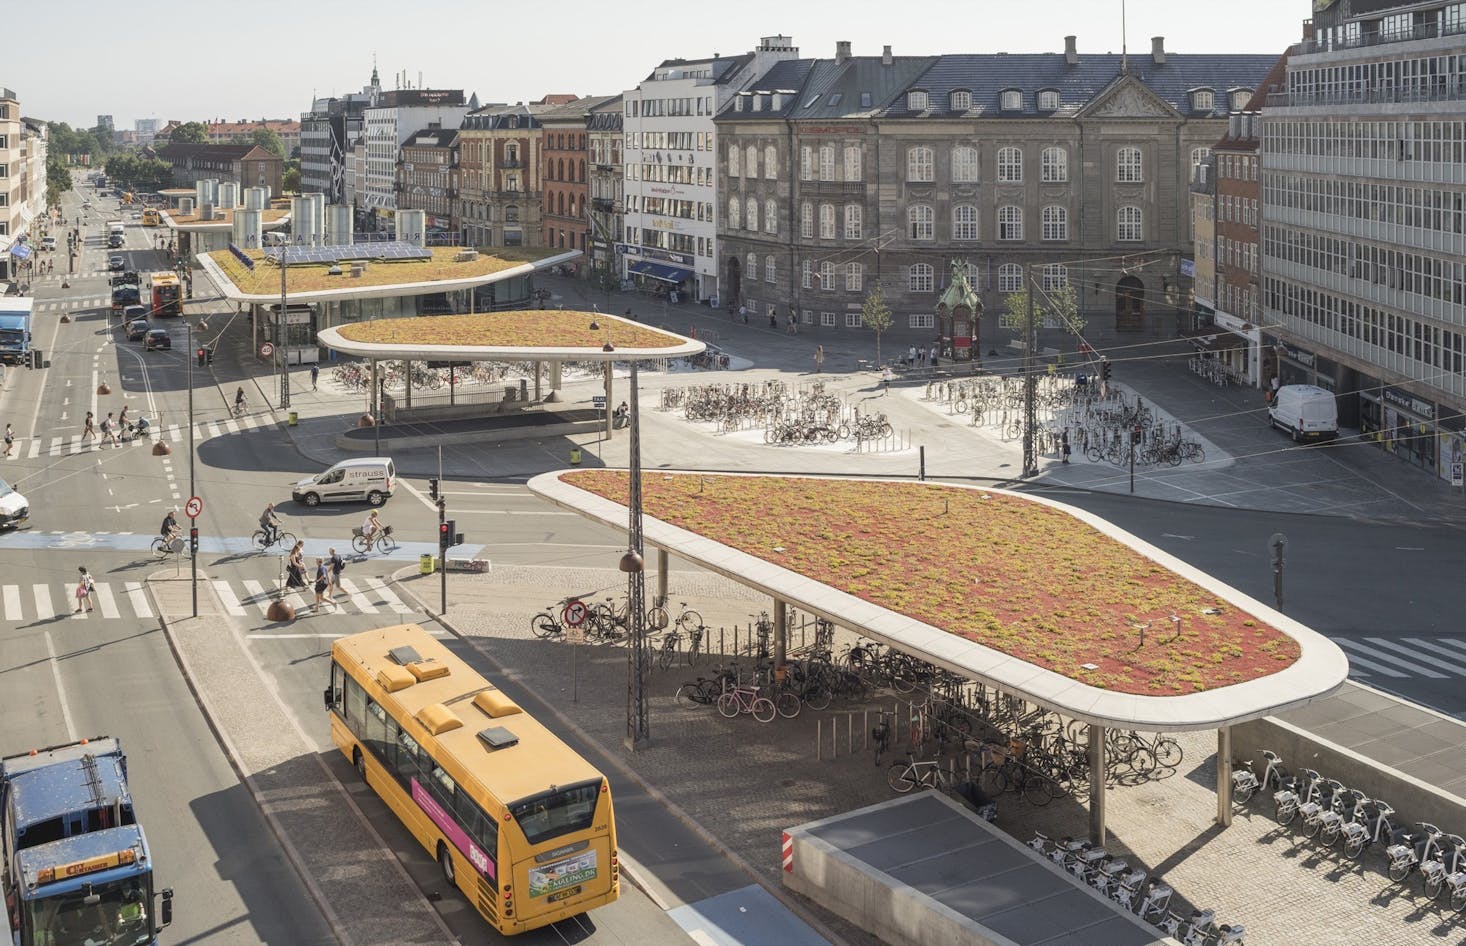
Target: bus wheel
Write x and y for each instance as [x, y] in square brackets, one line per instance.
[359, 763]
[445, 860]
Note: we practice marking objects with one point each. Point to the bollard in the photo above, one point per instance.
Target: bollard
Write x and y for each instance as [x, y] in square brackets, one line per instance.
[575, 456]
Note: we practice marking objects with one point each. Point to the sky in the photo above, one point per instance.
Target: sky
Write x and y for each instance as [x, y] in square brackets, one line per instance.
[77, 59]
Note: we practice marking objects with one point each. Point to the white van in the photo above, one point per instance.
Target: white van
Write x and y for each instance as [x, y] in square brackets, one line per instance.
[1305, 411]
[367, 479]
[13, 506]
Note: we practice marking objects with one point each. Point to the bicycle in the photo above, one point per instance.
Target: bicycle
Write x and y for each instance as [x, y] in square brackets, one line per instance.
[162, 548]
[745, 699]
[880, 734]
[282, 538]
[904, 776]
[546, 625]
[383, 540]
[688, 624]
[241, 408]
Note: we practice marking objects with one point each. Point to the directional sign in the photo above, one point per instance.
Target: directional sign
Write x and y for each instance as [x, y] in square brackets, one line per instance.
[574, 612]
[1458, 473]
[266, 350]
[193, 507]
[598, 401]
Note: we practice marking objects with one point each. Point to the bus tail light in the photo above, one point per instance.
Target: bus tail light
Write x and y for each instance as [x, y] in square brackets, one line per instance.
[508, 900]
[615, 867]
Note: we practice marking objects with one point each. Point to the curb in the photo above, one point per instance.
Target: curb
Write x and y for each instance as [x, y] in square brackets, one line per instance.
[777, 892]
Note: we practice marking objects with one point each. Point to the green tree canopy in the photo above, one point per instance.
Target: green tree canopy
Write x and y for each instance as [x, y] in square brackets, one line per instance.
[267, 138]
[58, 178]
[876, 315]
[191, 133]
[291, 179]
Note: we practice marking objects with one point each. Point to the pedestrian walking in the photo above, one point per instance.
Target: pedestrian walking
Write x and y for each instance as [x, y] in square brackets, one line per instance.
[109, 430]
[90, 432]
[934, 354]
[793, 324]
[122, 422]
[323, 581]
[338, 565]
[1064, 445]
[886, 377]
[819, 358]
[295, 567]
[9, 440]
[773, 318]
[315, 374]
[85, 589]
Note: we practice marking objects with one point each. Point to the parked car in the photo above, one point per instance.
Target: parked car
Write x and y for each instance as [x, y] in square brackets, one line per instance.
[157, 338]
[137, 330]
[116, 263]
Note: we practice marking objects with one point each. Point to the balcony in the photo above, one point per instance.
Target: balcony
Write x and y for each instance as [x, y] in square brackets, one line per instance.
[1415, 33]
[603, 205]
[1439, 92]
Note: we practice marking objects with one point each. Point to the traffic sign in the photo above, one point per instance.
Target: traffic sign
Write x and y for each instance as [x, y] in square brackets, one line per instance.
[266, 350]
[193, 507]
[574, 612]
[1458, 473]
[598, 401]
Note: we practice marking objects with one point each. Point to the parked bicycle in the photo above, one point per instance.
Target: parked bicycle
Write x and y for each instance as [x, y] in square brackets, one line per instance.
[904, 776]
[745, 699]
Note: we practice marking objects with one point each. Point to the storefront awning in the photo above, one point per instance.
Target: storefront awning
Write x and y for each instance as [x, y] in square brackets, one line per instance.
[660, 271]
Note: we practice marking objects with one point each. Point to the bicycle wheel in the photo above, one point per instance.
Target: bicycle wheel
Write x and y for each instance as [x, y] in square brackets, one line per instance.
[694, 650]
[667, 652]
[160, 548]
[1399, 870]
[1311, 827]
[818, 696]
[763, 709]
[1355, 847]
[993, 779]
[960, 407]
[386, 543]
[1286, 812]
[1036, 790]
[900, 777]
[787, 704]
[728, 704]
[1167, 752]
[1434, 886]
[544, 625]
[358, 544]
[286, 540]
[257, 541]
[1458, 898]
[692, 695]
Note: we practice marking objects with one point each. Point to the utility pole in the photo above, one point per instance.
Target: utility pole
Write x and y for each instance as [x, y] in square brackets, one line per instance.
[1030, 380]
[193, 524]
[281, 335]
[638, 727]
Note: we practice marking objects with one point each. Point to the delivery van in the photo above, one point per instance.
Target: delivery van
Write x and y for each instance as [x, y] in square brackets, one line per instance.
[1305, 411]
[365, 479]
[14, 510]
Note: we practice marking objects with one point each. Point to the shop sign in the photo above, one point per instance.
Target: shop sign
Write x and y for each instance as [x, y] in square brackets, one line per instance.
[1188, 267]
[1409, 402]
[1304, 358]
[1233, 324]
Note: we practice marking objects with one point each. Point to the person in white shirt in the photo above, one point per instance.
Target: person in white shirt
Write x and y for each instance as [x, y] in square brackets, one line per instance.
[369, 529]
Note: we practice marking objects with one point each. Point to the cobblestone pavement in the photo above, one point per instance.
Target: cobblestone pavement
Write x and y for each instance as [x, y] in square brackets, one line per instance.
[744, 781]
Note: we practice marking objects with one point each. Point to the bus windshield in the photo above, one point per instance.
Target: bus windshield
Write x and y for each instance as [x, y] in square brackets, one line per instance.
[114, 914]
[556, 812]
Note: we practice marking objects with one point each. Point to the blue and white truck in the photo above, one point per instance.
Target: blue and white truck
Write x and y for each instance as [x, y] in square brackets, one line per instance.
[15, 328]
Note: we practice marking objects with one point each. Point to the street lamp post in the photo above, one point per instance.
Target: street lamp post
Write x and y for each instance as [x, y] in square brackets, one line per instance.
[638, 728]
[281, 336]
[193, 556]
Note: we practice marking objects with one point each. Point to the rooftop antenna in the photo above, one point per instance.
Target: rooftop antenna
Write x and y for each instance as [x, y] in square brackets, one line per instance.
[1124, 58]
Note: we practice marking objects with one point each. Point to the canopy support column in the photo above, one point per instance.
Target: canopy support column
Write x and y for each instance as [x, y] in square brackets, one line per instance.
[1097, 784]
[781, 624]
[663, 560]
[407, 381]
[539, 369]
[1224, 776]
[557, 369]
[607, 412]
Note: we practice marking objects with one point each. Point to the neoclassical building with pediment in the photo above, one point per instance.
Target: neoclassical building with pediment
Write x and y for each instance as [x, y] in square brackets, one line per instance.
[1072, 167]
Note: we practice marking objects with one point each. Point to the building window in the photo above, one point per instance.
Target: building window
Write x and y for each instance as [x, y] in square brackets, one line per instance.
[827, 319]
[1010, 278]
[771, 216]
[1055, 222]
[1202, 100]
[806, 274]
[827, 276]
[1129, 224]
[852, 163]
[854, 277]
[964, 222]
[916, 101]
[974, 276]
[806, 317]
[1055, 276]
[920, 278]
[921, 222]
[751, 162]
[853, 320]
[751, 209]
[853, 224]
[771, 163]
[1198, 158]
[771, 269]
[961, 100]
[964, 165]
[1054, 166]
[752, 266]
[827, 221]
[1128, 166]
[1240, 99]
[1010, 223]
[827, 162]
[735, 161]
[1010, 165]
[806, 220]
[1048, 100]
[919, 165]
[806, 163]
[921, 320]
[1012, 100]
[734, 218]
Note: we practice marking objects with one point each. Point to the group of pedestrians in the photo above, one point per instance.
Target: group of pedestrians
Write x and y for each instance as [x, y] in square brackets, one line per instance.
[327, 580]
[115, 428]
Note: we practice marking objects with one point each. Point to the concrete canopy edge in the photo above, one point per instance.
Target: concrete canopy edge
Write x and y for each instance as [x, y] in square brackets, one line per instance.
[1320, 669]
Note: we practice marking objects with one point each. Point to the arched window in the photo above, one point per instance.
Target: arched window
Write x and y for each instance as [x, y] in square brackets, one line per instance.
[919, 165]
[964, 165]
[735, 161]
[771, 216]
[1055, 222]
[511, 154]
[960, 100]
[750, 162]
[771, 268]
[806, 220]
[920, 277]
[771, 162]
[734, 217]
[1202, 100]
[561, 204]
[806, 274]
[750, 209]
[1127, 166]
[1010, 277]
[827, 162]
[1055, 276]
[964, 222]
[854, 277]
[854, 226]
[921, 222]
[1129, 224]
[827, 221]
[1010, 223]
[1054, 166]
[1010, 165]
[806, 163]
[852, 163]
[582, 172]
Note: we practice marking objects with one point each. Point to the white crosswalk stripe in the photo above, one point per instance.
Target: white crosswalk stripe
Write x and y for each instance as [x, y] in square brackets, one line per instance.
[226, 596]
[1373, 659]
[44, 610]
[257, 596]
[12, 603]
[361, 601]
[380, 587]
[139, 599]
[105, 601]
[245, 598]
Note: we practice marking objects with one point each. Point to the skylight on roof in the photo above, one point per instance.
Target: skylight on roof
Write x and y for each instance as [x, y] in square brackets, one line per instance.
[812, 99]
[835, 97]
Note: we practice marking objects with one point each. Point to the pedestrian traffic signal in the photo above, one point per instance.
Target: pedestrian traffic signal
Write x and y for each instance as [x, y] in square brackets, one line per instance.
[433, 488]
[202, 354]
[1105, 368]
[209, 355]
[446, 530]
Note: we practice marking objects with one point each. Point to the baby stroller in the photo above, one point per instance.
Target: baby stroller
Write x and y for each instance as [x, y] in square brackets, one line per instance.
[136, 429]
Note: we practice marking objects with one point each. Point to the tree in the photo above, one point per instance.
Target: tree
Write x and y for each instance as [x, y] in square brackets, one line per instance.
[267, 138]
[291, 179]
[191, 133]
[876, 315]
[58, 178]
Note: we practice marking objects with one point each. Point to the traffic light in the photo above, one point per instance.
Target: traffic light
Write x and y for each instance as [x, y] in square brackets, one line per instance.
[1135, 434]
[446, 532]
[202, 353]
[209, 355]
[193, 540]
[433, 488]
[1105, 368]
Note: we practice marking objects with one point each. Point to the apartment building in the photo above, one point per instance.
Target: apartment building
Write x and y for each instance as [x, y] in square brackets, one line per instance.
[566, 211]
[1364, 223]
[387, 124]
[424, 177]
[500, 188]
[22, 185]
[607, 185]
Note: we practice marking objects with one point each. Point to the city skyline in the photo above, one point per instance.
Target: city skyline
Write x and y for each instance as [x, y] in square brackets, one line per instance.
[196, 85]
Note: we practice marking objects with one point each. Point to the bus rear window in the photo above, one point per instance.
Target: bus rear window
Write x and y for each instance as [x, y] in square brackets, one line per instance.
[552, 814]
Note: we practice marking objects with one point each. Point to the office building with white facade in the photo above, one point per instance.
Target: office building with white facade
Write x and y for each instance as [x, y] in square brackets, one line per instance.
[386, 125]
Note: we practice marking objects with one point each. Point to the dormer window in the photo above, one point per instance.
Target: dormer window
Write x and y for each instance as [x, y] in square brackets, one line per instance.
[1048, 100]
[1202, 100]
[916, 101]
[738, 103]
[961, 100]
[1012, 100]
[1240, 98]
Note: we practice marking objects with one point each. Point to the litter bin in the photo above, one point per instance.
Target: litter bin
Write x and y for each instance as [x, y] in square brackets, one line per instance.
[426, 564]
[292, 418]
[575, 456]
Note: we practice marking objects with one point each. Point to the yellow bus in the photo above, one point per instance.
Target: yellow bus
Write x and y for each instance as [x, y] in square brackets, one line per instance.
[150, 217]
[167, 298]
[517, 821]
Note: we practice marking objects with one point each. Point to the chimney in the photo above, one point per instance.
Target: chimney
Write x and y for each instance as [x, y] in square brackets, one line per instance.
[842, 51]
[1158, 50]
[1071, 53]
[885, 55]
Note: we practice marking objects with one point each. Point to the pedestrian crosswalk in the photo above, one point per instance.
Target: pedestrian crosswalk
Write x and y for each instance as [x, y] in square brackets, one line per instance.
[73, 304]
[69, 445]
[247, 598]
[1398, 658]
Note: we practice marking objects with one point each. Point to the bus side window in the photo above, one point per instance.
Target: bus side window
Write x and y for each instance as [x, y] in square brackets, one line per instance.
[376, 732]
[408, 756]
[355, 707]
[333, 693]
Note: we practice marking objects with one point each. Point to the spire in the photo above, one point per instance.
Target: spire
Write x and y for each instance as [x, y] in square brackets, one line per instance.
[376, 80]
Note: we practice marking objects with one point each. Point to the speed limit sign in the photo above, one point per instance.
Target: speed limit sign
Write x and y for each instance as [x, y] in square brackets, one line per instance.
[574, 612]
[266, 350]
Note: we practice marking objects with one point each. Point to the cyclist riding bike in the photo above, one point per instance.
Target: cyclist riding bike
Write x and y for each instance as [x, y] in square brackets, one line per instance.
[239, 402]
[370, 529]
[270, 523]
[169, 530]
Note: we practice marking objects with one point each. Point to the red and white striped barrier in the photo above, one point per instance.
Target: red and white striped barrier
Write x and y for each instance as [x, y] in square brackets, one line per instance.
[788, 853]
